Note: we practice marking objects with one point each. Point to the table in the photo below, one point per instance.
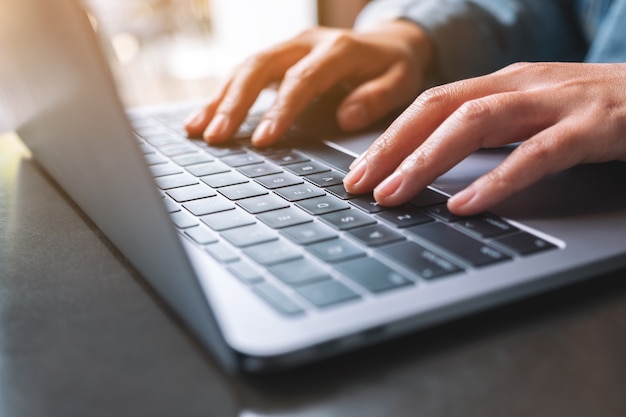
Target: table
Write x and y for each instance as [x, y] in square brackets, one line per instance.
[81, 334]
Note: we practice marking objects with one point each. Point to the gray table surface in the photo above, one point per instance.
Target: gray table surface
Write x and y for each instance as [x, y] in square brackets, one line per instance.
[81, 334]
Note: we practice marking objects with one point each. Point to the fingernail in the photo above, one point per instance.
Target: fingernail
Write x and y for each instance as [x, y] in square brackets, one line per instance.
[353, 116]
[390, 185]
[356, 173]
[463, 198]
[356, 161]
[217, 128]
[262, 132]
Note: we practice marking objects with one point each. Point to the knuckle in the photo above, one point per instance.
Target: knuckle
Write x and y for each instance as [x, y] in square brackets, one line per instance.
[475, 110]
[434, 97]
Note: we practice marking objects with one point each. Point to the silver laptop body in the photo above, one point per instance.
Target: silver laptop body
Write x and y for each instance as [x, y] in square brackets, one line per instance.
[58, 94]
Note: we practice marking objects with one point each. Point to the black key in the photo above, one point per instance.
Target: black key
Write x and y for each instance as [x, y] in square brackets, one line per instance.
[419, 260]
[299, 272]
[327, 293]
[208, 205]
[279, 219]
[428, 198]
[175, 181]
[524, 243]
[192, 192]
[242, 159]
[336, 250]
[259, 170]
[227, 219]
[442, 213]
[487, 226]
[326, 179]
[368, 204]
[225, 179]
[279, 301]
[262, 204]
[376, 235]
[246, 272]
[201, 235]
[340, 191]
[183, 220]
[373, 275]
[192, 159]
[305, 234]
[275, 181]
[347, 219]
[322, 205]
[272, 253]
[472, 251]
[405, 216]
[163, 170]
[307, 168]
[249, 235]
[287, 158]
[241, 191]
[208, 168]
[299, 192]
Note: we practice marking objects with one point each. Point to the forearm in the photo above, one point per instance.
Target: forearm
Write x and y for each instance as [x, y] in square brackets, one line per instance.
[475, 37]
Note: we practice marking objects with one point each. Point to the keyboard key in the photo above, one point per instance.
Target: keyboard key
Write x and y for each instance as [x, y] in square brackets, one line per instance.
[208, 206]
[376, 235]
[154, 159]
[472, 251]
[442, 213]
[368, 204]
[299, 272]
[173, 150]
[245, 272]
[299, 192]
[222, 150]
[225, 179]
[307, 168]
[241, 191]
[201, 235]
[405, 216]
[327, 293]
[524, 243]
[183, 220]
[192, 192]
[279, 219]
[279, 301]
[417, 259]
[227, 220]
[322, 205]
[209, 168]
[340, 191]
[242, 159]
[249, 235]
[275, 252]
[336, 250]
[487, 226]
[163, 170]
[259, 170]
[276, 181]
[286, 158]
[347, 219]
[428, 198]
[262, 204]
[175, 181]
[192, 159]
[222, 253]
[308, 233]
[373, 275]
[326, 179]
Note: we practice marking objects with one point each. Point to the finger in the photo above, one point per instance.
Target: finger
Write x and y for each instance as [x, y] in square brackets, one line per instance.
[415, 125]
[555, 149]
[307, 79]
[246, 84]
[491, 121]
[198, 121]
[376, 98]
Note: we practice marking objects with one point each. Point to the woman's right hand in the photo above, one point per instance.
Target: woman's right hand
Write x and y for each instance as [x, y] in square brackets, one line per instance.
[382, 68]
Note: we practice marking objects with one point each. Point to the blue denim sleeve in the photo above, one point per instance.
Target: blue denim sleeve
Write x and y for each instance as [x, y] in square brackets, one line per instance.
[475, 37]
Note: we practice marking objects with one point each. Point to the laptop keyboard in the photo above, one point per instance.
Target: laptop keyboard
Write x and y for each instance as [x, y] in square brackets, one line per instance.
[280, 220]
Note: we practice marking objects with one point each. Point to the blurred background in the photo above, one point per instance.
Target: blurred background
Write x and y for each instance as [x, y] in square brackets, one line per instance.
[171, 50]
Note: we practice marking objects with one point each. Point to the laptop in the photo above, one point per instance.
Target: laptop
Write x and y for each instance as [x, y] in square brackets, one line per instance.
[261, 252]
